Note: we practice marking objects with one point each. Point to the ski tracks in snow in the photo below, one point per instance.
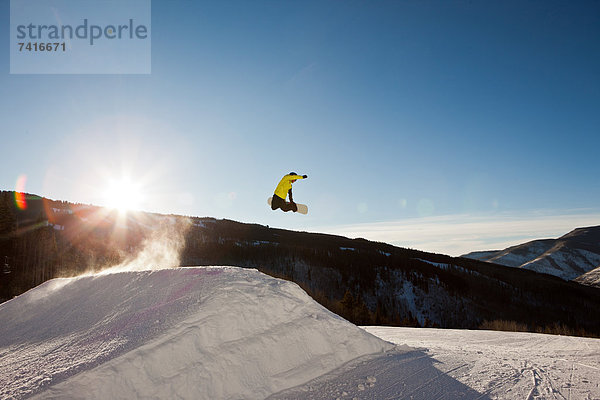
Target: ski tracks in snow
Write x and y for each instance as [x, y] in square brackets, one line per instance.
[403, 373]
[451, 364]
[511, 365]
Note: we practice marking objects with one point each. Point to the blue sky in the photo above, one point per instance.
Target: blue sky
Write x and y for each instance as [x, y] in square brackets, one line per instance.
[416, 121]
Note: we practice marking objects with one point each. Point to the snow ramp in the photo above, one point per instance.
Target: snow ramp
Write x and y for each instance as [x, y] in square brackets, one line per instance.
[190, 333]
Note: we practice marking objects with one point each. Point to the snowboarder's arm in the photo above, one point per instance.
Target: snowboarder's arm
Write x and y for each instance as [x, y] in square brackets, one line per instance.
[294, 177]
[290, 196]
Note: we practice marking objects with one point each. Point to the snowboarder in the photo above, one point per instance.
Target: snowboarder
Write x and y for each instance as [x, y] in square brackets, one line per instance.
[284, 189]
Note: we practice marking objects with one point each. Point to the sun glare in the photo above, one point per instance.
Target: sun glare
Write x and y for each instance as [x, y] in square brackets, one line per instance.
[123, 195]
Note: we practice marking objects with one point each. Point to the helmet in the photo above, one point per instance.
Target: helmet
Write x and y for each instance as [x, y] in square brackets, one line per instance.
[292, 173]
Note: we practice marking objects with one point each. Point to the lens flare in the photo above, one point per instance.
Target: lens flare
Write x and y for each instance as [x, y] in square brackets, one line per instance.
[20, 198]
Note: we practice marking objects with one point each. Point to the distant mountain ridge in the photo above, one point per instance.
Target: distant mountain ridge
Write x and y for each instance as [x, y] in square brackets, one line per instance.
[569, 257]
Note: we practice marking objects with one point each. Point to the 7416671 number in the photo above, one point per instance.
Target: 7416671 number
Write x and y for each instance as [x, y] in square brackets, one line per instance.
[29, 46]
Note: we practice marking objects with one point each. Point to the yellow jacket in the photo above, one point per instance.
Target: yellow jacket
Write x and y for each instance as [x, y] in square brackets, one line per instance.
[285, 184]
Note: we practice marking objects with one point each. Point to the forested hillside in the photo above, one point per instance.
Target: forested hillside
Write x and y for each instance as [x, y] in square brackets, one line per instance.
[366, 282]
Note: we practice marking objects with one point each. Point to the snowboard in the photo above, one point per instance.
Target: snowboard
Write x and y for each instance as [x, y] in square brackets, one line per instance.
[302, 208]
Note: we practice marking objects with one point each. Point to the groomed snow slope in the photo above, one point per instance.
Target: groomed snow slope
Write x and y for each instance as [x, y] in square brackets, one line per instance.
[462, 364]
[503, 365]
[211, 332]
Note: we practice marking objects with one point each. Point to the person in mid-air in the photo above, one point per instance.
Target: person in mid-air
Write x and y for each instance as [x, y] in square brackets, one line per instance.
[284, 189]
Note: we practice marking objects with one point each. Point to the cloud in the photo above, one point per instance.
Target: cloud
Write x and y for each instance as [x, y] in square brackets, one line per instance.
[462, 233]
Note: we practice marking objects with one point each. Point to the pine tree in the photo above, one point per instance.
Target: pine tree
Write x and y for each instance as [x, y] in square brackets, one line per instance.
[8, 225]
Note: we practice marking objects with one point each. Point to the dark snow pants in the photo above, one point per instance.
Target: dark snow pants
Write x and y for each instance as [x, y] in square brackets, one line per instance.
[278, 202]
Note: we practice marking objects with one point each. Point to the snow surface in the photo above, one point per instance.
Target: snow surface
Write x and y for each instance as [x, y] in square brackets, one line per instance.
[516, 256]
[192, 333]
[591, 278]
[568, 257]
[564, 262]
[462, 364]
[481, 255]
[230, 333]
[507, 365]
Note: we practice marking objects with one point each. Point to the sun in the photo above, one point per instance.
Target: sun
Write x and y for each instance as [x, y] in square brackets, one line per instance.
[123, 194]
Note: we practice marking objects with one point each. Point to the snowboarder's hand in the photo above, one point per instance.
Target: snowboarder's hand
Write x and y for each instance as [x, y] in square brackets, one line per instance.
[305, 176]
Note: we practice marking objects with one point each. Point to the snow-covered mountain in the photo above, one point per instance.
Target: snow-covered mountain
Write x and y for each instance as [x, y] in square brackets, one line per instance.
[567, 257]
[591, 278]
[232, 333]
